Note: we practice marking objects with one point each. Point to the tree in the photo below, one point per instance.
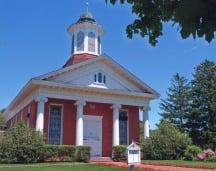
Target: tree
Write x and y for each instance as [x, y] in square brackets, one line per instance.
[2, 122]
[21, 144]
[175, 106]
[165, 143]
[2, 110]
[193, 17]
[201, 121]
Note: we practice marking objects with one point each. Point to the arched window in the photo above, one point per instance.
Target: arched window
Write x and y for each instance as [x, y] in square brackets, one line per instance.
[104, 79]
[123, 127]
[100, 77]
[99, 45]
[95, 78]
[80, 41]
[72, 46]
[91, 42]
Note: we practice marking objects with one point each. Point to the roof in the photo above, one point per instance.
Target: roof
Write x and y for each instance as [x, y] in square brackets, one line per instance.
[43, 80]
[78, 58]
[86, 17]
[133, 146]
[108, 60]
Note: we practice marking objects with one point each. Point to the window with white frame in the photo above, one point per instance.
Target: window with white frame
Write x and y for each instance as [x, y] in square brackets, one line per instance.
[91, 42]
[100, 78]
[123, 127]
[55, 124]
[80, 41]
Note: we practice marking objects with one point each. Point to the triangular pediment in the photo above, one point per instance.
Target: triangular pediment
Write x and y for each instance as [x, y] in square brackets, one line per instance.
[86, 74]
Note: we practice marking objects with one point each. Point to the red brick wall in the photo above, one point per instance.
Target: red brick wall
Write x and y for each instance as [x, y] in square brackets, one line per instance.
[31, 120]
[133, 117]
[69, 119]
[107, 123]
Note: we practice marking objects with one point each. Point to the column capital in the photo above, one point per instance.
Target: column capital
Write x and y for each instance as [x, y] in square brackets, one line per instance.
[145, 108]
[80, 103]
[116, 106]
[41, 99]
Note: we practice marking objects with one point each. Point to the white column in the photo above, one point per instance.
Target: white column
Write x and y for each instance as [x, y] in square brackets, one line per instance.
[79, 122]
[40, 113]
[146, 121]
[116, 108]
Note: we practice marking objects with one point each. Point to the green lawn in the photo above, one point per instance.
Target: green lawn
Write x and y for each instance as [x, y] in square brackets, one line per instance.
[57, 167]
[195, 164]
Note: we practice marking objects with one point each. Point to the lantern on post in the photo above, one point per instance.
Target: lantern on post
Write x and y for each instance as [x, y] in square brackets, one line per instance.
[133, 155]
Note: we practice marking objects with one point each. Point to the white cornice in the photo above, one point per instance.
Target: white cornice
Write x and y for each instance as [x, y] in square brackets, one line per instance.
[85, 25]
[128, 75]
[92, 89]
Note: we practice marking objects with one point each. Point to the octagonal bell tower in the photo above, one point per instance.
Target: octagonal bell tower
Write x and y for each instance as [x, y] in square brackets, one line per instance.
[86, 39]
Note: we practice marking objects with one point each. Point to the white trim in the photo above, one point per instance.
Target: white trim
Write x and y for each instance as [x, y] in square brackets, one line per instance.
[130, 76]
[62, 120]
[8, 114]
[77, 95]
[39, 81]
[66, 69]
[77, 26]
[86, 31]
[92, 89]
[92, 117]
[99, 119]
[87, 96]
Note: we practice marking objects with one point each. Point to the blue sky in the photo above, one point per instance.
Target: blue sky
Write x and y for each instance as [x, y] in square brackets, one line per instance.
[34, 41]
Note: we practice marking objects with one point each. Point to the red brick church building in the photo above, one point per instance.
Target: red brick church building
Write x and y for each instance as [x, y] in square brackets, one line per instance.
[92, 100]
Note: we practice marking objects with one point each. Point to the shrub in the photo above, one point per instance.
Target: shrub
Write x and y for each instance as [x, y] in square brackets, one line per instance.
[69, 153]
[211, 159]
[59, 153]
[165, 143]
[119, 153]
[21, 145]
[206, 154]
[191, 152]
[83, 153]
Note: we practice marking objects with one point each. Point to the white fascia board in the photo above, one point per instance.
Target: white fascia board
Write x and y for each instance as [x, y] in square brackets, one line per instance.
[132, 76]
[92, 89]
[91, 97]
[66, 69]
[110, 60]
[17, 97]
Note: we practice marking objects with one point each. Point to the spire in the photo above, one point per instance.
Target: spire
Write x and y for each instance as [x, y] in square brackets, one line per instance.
[87, 6]
[86, 16]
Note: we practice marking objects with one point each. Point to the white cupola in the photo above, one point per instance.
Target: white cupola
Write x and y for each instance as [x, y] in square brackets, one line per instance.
[86, 35]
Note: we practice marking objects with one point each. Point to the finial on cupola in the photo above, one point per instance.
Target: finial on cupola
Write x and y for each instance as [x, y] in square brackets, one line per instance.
[87, 6]
[86, 38]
